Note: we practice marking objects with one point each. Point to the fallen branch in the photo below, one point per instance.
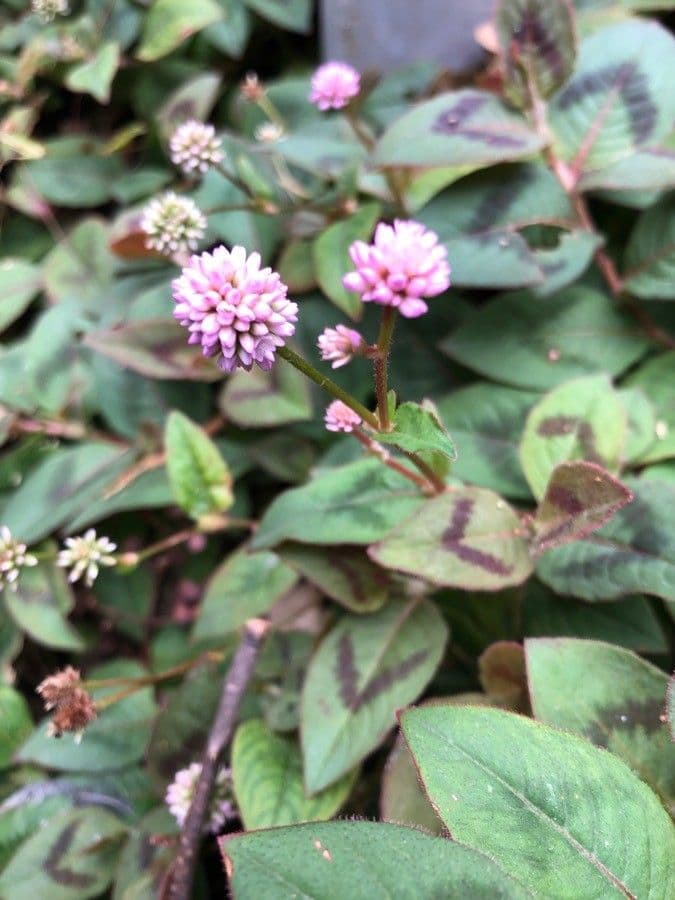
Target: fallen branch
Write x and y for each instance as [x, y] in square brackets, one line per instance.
[178, 884]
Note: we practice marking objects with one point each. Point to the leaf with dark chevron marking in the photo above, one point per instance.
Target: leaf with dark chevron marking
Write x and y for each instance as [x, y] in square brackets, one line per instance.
[68, 856]
[468, 538]
[580, 498]
[460, 128]
[366, 668]
[619, 97]
[581, 419]
[537, 43]
[610, 696]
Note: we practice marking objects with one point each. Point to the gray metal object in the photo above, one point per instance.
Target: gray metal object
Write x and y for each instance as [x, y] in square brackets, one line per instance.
[386, 34]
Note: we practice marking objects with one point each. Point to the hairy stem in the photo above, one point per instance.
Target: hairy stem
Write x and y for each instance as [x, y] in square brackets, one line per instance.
[178, 885]
[327, 384]
[383, 455]
[435, 480]
[381, 365]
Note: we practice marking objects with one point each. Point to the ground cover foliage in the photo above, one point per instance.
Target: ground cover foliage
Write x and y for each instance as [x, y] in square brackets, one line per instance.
[455, 604]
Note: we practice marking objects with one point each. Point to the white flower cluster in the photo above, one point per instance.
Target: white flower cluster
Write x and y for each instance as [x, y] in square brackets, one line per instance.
[180, 792]
[13, 558]
[47, 10]
[194, 147]
[173, 224]
[84, 555]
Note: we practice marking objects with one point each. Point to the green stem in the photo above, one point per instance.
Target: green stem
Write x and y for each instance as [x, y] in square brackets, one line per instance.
[233, 179]
[435, 480]
[381, 365]
[329, 386]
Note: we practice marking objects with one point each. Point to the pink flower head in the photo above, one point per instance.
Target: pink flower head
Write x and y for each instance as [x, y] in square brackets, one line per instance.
[339, 344]
[233, 308]
[339, 417]
[194, 147]
[333, 85]
[404, 263]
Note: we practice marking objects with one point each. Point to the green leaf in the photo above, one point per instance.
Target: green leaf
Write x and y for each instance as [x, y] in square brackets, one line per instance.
[194, 99]
[537, 45]
[543, 343]
[170, 22]
[343, 573]
[260, 399]
[331, 256]
[417, 429]
[630, 622]
[70, 857]
[580, 419]
[467, 537]
[610, 696]
[402, 800]
[81, 266]
[359, 502]
[486, 421]
[362, 861]
[156, 348]
[566, 818]
[655, 379]
[74, 181]
[564, 263]
[641, 419]
[619, 97]
[650, 254]
[459, 128]
[117, 738]
[580, 498]
[64, 484]
[245, 585]
[650, 169]
[200, 479]
[633, 553]
[19, 283]
[296, 15]
[16, 723]
[267, 773]
[231, 35]
[366, 668]
[96, 74]
[670, 706]
[40, 607]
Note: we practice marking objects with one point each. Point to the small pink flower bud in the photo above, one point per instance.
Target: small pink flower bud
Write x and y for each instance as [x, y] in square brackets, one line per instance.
[404, 263]
[339, 417]
[339, 345]
[334, 84]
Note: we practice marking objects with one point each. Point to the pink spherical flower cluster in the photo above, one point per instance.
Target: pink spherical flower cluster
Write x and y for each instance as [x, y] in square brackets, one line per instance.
[338, 345]
[194, 147]
[404, 263]
[233, 308]
[339, 417]
[334, 84]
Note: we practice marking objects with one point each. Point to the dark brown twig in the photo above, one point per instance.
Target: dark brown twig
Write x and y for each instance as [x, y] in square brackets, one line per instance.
[178, 885]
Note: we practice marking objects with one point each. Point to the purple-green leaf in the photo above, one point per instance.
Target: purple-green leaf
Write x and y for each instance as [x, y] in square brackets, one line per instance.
[366, 668]
[580, 498]
[467, 537]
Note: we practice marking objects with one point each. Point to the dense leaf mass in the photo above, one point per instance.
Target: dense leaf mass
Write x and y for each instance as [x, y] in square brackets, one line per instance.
[337, 453]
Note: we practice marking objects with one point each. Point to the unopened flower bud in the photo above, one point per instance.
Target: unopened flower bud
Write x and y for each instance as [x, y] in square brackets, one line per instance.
[251, 89]
[338, 345]
[340, 417]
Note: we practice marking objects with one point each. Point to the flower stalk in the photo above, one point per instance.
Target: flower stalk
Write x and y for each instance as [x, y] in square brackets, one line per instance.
[327, 384]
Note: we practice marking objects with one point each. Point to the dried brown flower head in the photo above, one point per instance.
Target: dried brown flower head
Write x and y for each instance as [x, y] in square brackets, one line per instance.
[73, 707]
